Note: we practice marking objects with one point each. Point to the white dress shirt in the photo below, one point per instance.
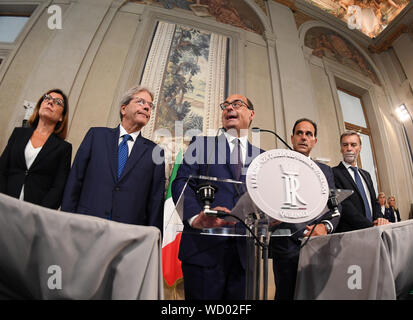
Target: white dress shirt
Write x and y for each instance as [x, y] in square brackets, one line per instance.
[131, 142]
[30, 154]
[243, 142]
[395, 214]
[366, 189]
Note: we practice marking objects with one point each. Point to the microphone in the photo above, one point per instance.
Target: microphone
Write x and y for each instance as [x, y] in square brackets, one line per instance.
[333, 204]
[256, 129]
[206, 190]
[206, 194]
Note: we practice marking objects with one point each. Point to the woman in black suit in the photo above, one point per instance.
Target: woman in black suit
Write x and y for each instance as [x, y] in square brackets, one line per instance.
[394, 214]
[36, 161]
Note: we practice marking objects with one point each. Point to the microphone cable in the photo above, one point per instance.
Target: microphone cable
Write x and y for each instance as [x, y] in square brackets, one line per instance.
[256, 129]
[334, 212]
[223, 215]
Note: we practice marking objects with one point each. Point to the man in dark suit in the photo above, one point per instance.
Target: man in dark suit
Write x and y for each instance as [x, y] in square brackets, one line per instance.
[361, 209]
[214, 267]
[117, 174]
[285, 251]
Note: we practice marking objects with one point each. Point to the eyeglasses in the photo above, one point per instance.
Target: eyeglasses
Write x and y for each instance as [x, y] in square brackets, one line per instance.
[142, 102]
[56, 101]
[236, 104]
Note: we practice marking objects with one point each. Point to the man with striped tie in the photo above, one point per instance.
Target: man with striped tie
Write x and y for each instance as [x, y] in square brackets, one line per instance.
[361, 209]
[214, 266]
[117, 174]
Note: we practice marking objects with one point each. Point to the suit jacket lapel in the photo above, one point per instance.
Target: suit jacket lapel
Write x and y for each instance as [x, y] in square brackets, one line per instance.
[349, 178]
[249, 156]
[248, 159]
[112, 140]
[221, 152]
[138, 150]
[369, 185]
[225, 153]
[51, 143]
[21, 145]
[230, 167]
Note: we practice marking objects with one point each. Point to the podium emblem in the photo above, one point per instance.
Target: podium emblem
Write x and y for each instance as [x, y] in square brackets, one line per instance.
[287, 186]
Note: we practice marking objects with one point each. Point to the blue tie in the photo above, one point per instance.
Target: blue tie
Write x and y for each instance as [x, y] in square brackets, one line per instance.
[362, 192]
[123, 152]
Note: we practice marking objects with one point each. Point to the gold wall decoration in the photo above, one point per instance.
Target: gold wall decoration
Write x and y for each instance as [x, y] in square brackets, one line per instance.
[328, 43]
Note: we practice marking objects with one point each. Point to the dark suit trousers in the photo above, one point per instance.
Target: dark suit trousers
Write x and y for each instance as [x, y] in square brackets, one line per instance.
[223, 281]
[285, 274]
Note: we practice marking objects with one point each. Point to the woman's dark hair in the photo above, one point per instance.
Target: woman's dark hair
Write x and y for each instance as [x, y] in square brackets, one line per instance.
[61, 127]
[308, 120]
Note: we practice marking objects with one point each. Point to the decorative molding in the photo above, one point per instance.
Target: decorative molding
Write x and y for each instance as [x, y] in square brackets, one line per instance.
[261, 4]
[311, 24]
[270, 37]
[13, 48]
[301, 18]
[388, 42]
[215, 85]
[155, 67]
[288, 3]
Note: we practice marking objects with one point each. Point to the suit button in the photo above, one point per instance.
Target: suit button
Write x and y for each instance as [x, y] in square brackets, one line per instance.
[117, 188]
[26, 173]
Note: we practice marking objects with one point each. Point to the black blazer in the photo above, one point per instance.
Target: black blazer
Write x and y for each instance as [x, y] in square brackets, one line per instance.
[289, 246]
[390, 214]
[44, 182]
[353, 214]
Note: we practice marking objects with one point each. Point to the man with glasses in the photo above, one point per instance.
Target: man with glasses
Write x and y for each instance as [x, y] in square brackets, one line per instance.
[114, 174]
[214, 266]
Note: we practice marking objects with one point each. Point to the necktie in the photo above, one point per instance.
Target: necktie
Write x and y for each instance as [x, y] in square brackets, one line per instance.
[123, 152]
[362, 192]
[236, 161]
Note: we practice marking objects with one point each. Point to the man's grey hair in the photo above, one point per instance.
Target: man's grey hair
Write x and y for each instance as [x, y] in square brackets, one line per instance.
[128, 96]
[350, 133]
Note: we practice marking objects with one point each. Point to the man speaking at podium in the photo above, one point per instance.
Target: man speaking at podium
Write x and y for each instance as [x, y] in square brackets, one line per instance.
[285, 251]
[214, 266]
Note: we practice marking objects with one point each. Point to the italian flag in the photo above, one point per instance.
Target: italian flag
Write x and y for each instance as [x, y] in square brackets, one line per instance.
[173, 226]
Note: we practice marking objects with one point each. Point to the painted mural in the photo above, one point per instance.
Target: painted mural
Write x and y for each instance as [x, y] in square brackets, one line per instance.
[183, 89]
[233, 12]
[369, 16]
[327, 43]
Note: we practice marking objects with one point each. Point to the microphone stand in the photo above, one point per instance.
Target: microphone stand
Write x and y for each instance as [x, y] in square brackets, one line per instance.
[206, 194]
